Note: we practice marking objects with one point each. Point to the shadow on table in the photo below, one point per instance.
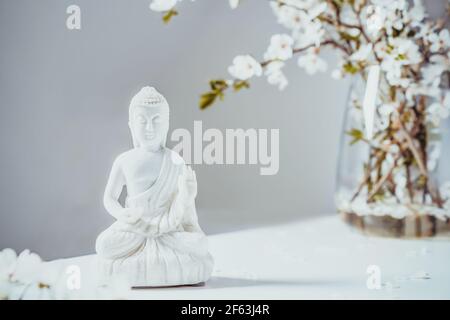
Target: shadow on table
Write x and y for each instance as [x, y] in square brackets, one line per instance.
[226, 282]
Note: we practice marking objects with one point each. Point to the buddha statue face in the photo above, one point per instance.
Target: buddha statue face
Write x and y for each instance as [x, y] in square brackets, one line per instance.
[149, 119]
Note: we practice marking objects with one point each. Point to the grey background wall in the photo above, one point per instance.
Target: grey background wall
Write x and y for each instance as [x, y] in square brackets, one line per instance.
[64, 100]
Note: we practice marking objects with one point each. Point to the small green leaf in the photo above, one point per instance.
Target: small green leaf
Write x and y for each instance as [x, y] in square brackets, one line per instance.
[356, 134]
[348, 37]
[218, 84]
[400, 57]
[351, 68]
[169, 15]
[240, 84]
[379, 196]
[389, 48]
[207, 99]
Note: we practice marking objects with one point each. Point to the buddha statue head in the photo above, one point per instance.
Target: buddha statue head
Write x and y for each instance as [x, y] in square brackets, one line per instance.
[149, 119]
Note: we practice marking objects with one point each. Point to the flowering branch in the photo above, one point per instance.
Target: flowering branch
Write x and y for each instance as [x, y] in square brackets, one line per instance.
[413, 54]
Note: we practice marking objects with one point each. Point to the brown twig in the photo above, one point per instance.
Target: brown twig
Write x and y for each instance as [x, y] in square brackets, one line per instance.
[361, 185]
[416, 153]
[380, 182]
[302, 49]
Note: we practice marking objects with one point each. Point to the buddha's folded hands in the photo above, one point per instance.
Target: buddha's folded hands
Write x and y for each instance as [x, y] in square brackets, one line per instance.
[149, 226]
[187, 187]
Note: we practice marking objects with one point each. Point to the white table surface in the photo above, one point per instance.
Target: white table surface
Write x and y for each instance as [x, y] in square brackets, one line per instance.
[315, 259]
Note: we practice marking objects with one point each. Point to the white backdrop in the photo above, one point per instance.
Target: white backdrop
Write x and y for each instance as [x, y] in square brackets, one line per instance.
[64, 107]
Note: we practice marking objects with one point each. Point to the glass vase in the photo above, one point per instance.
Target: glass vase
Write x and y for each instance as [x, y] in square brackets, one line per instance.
[396, 183]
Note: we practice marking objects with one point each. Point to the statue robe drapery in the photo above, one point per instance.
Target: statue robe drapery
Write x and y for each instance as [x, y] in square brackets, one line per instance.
[166, 246]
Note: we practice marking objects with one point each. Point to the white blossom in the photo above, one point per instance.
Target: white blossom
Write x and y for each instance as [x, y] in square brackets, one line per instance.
[423, 31]
[21, 276]
[374, 17]
[408, 50]
[381, 124]
[298, 14]
[337, 74]
[302, 4]
[280, 47]
[439, 41]
[274, 74]
[162, 5]
[348, 15]
[28, 267]
[287, 16]
[386, 109]
[245, 67]
[399, 53]
[5, 289]
[354, 32]
[8, 261]
[393, 69]
[234, 3]
[316, 9]
[311, 62]
[310, 33]
[362, 53]
[395, 13]
[431, 74]
[443, 60]
[31, 291]
[417, 12]
[26, 277]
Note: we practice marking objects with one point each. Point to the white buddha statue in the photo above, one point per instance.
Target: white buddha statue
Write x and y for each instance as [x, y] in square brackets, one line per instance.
[156, 240]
